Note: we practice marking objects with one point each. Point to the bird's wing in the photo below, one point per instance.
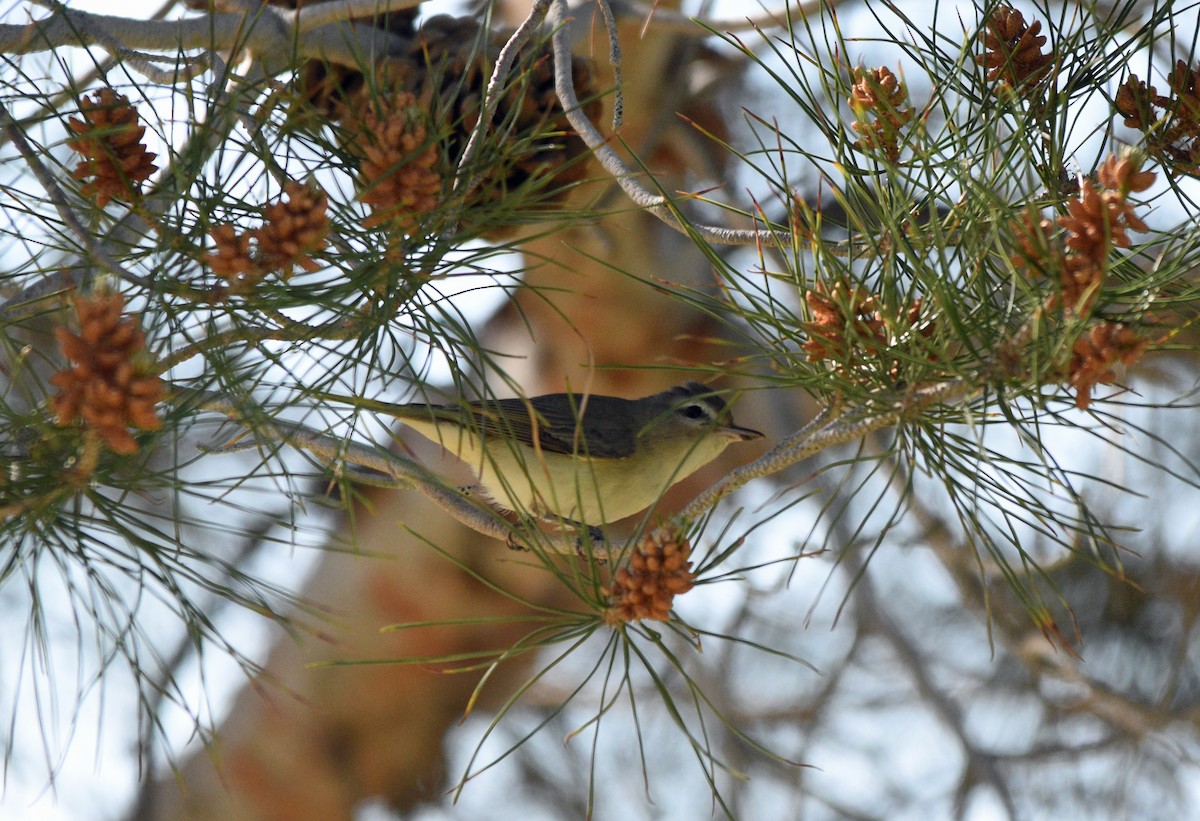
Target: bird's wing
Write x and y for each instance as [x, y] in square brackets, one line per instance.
[558, 427]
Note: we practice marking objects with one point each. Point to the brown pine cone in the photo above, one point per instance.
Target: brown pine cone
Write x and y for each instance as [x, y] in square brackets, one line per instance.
[232, 260]
[659, 570]
[833, 314]
[116, 163]
[880, 105]
[296, 226]
[112, 385]
[446, 70]
[1098, 354]
[1013, 51]
[400, 175]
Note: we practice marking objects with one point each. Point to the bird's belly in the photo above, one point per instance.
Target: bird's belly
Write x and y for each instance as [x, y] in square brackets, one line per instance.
[565, 486]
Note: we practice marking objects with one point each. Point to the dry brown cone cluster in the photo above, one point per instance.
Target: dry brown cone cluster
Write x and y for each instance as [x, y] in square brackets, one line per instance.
[1013, 50]
[330, 90]
[400, 172]
[659, 570]
[1171, 124]
[294, 228]
[881, 110]
[233, 259]
[446, 69]
[853, 331]
[116, 162]
[111, 384]
[1097, 355]
[1097, 220]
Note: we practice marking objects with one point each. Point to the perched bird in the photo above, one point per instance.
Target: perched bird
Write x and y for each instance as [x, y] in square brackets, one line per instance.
[583, 458]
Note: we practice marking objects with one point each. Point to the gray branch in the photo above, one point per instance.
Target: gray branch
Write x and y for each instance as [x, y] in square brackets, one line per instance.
[657, 205]
[274, 35]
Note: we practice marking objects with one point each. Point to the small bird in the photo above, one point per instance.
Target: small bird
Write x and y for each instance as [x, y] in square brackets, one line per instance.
[581, 458]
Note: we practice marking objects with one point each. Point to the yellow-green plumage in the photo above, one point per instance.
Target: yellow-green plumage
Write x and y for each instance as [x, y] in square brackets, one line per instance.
[590, 459]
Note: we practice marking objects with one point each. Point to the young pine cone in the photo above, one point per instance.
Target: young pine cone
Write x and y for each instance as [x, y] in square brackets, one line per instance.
[881, 110]
[111, 385]
[1013, 51]
[116, 163]
[401, 180]
[1099, 355]
[658, 571]
[293, 228]
[296, 226]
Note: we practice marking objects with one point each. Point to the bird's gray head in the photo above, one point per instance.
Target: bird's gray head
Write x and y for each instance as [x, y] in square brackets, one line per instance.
[692, 408]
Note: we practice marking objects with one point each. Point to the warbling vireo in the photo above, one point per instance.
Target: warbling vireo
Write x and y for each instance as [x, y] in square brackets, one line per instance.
[584, 458]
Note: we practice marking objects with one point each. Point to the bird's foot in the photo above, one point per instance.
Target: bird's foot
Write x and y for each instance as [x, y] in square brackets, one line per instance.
[586, 535]
[514, 542]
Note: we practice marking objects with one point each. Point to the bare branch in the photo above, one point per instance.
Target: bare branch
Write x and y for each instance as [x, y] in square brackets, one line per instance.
[672, 21]
[657, 205]
[272, 34]
[614, 60]
[491, 96]
[309, 17]
[831, 427]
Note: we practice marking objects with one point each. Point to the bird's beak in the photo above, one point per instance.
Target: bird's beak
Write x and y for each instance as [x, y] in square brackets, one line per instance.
[740, 434]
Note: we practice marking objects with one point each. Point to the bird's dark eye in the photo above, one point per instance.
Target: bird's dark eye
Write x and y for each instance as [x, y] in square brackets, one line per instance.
[694, 412]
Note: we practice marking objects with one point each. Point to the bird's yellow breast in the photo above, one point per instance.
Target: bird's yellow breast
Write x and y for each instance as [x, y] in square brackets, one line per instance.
[572, 486]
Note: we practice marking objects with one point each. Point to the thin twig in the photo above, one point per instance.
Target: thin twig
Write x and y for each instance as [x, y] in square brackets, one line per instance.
[830, 427]
[491, 96]
[979, 764]
[614, 60]
[291, 332]
[657, 205]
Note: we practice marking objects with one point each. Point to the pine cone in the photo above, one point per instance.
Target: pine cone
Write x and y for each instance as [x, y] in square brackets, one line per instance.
[1123, 175]
[446, 69]
[330, 89]
[1036, 253]
[1171, 123]
[833, 312]
[296, 227]
[1097, 221]
[116, 163]
[112, 385]
[1013, 51]
[658, 571]
[1184, 83]
[1097, 354]
[232, 260]
[880, 105]
[400, 164]
[857, 334]
[1135, 102]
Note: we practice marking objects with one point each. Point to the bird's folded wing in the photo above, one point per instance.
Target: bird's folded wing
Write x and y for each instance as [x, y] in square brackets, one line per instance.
[556, 426]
